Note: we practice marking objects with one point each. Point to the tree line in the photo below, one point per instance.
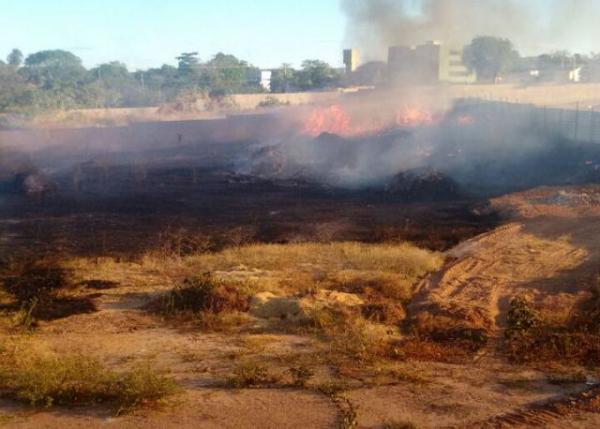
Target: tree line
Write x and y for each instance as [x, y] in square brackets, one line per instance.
[57, 79]
[493, 57]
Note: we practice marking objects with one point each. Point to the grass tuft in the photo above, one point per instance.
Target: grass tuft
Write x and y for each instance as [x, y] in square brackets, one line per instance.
[47, 380]
[250, 374]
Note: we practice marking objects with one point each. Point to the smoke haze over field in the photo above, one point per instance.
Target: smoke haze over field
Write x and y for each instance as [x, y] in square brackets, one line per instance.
[533, 25]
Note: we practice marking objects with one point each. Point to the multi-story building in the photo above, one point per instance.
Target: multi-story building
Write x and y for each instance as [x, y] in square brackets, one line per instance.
[351, 59]
[429, 63]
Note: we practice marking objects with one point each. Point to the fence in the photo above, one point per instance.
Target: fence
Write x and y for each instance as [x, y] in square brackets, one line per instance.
[581, 123]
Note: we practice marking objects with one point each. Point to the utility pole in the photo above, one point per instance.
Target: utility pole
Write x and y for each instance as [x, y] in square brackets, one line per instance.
[285, 77]
[592, 123]
[576, 122]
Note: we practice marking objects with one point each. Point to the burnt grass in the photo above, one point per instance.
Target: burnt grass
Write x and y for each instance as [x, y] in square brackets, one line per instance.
[213, 209]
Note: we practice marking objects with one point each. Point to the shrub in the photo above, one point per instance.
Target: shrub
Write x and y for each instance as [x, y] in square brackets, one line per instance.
[522, 317]
[355, 340]
[204, 294]
[387, 312]
[449, 332]
[532, 338]
[586, 317]
[68, 380]
[141, 385]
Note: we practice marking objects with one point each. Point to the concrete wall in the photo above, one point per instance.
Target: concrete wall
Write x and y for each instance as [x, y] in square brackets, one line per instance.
[567, 95]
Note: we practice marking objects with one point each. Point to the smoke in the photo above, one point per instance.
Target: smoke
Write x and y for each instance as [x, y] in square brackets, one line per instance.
[533, 25]
[485, 148]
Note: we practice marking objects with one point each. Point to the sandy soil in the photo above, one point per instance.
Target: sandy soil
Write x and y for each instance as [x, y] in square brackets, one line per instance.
[549, 250]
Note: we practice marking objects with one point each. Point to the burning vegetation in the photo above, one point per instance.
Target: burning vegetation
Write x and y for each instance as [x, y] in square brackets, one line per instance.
[335, 119]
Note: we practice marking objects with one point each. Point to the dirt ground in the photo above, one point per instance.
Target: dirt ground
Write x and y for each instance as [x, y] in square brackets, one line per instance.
[549, 249]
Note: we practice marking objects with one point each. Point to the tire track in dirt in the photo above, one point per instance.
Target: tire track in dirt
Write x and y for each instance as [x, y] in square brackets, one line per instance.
[522, 257]
[544, 413]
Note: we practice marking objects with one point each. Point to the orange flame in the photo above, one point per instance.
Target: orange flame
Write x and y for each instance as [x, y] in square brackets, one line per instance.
[413, 117]
[332, 119]
[335, 120]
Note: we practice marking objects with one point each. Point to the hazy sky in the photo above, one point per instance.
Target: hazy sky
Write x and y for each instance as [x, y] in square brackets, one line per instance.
[145, 33]
[148, 33]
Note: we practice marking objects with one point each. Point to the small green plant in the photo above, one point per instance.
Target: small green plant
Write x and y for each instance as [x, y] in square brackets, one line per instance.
[522, 317]
[250, 374]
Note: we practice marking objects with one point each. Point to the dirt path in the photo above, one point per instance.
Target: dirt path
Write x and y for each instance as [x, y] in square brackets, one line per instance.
[549, 252]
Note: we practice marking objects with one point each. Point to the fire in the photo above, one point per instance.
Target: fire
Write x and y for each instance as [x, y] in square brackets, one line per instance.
[335, 120]
[413, 117]
[331, 119]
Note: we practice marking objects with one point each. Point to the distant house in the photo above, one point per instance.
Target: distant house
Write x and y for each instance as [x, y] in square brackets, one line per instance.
[560, 74]
[265, 79]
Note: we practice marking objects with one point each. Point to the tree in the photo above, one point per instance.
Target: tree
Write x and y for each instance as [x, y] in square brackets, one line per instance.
[54, 69]
[14, 93]
[562, 59]
[316, 74]
[15, 58]
[489, 56]
[114, 71]
[187, 61]
[282, 79]
[228, 74]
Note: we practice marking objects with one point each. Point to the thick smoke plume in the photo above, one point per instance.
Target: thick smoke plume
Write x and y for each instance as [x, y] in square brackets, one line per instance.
[533, 25]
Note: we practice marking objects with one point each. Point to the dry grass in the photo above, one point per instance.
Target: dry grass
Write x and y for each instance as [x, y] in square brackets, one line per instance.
[48, 379]
[382, 274]
[251, 374]
[403, 259]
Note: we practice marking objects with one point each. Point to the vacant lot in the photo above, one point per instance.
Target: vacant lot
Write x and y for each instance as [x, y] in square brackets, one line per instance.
[318, 334]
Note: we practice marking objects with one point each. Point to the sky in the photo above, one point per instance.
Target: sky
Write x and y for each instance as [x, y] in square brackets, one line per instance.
[149, 33]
